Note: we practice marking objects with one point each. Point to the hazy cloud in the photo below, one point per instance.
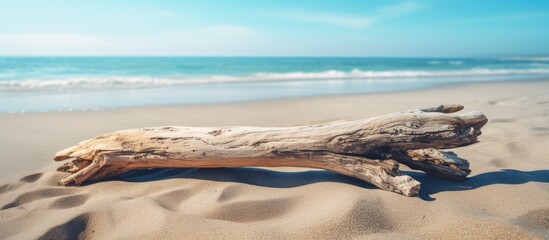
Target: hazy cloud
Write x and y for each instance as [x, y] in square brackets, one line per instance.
[52, 39]
[326, 18]
[499, 18]
[162, 13]
[214, 39]
[227, 29]
[346, 20]
[397, 10]
[49, 44]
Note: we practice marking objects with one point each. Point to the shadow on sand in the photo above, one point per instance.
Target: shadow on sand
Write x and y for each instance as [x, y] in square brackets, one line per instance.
[432, 185]
[252, 176]
[269, 178]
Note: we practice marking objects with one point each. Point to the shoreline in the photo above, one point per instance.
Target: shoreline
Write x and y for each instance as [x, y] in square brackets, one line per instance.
[297, 98]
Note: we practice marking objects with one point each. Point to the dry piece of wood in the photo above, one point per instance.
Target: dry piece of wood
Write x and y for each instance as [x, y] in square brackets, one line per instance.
[432, 161]
[364, 149]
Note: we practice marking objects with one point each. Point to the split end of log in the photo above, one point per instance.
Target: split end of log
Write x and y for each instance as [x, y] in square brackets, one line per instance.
[384, 174]
[435, 162]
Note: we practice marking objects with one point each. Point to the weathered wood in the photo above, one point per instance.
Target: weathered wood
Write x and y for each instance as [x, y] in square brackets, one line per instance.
[432, 161]
[360, 148]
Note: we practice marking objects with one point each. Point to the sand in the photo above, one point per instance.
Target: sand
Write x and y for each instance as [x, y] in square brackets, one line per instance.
[505, 197]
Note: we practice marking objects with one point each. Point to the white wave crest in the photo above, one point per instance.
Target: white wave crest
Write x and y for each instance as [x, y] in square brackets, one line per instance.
[359, 74]
[537, 59]
[445, 62]
[124, 82]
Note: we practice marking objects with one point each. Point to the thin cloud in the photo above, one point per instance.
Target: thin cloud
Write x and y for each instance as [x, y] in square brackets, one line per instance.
[351, 21]
[329, 19]
[500, 18]
[52, 44]
[398, 9]
[207, 40]
[228, 29]
[162, 13]
[52, 40]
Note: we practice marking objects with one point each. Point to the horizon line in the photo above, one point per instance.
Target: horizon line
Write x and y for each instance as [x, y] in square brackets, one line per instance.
[272, 56]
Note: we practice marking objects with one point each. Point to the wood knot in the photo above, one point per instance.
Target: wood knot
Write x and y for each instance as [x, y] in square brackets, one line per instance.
[171, 129]
[413, 124]
[215, 132]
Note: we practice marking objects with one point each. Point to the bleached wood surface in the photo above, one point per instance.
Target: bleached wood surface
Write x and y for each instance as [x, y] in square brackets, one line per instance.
[364, 149]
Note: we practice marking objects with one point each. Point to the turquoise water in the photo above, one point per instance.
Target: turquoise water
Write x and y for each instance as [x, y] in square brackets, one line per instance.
[42, 84]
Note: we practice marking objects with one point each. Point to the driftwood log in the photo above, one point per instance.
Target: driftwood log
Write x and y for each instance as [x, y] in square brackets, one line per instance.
[365, 149]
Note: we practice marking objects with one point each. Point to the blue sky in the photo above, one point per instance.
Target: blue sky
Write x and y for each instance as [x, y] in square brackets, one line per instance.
[275, 28]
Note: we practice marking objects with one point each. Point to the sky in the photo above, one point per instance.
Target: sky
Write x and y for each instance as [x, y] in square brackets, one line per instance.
[369, 28]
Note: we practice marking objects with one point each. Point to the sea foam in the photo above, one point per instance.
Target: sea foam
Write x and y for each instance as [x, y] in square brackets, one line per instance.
[98, 82]
[534, 59]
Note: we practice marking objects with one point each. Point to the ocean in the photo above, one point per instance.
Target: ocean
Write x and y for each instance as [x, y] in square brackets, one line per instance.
[48, 84]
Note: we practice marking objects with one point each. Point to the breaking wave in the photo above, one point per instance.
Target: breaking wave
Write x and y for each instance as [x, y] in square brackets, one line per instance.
[534, 59]
[446, 62]
[145, 81]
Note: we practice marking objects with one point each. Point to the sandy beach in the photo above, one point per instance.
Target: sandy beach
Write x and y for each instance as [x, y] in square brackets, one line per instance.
[505, 197]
